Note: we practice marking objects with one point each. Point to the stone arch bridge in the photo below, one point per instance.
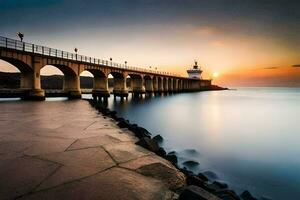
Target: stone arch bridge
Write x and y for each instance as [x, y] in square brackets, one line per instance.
[31, 58]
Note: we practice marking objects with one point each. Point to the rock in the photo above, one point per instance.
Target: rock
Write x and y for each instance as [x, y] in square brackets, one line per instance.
[172, 153]
[123, 124]
[194, 180]
[210, 174]
[227, 194]
[202, 177]
[149, 144]
[246, 195]
[161, 152]
[139, 131]
[158, 138]
[265, 198]
[191, 152]
[170, 176]
[193, 192]
[190, 163]
[221, 185]
[118, 119]
[216, 186]
[172, 158]
[186, 171]
[113, 114]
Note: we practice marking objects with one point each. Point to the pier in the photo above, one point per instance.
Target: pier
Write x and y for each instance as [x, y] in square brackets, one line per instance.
[29, 59]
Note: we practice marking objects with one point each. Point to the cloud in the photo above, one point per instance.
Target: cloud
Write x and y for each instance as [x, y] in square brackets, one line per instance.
[207, 30]
[297, 65]
[271, 68]
[217, 43]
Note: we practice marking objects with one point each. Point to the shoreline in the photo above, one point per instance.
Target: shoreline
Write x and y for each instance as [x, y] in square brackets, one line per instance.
[197, 186]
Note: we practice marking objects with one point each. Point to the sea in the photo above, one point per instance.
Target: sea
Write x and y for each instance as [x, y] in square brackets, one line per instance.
[248, 138]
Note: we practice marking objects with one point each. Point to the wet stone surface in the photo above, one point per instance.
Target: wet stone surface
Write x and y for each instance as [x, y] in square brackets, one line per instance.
[67, 150]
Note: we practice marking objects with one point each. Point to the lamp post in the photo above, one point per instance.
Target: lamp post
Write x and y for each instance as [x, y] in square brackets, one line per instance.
[76, 50]
[125, 63]
[21, 36]
[110, 61]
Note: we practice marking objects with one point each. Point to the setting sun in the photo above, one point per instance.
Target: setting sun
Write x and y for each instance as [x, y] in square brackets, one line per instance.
[216, 74]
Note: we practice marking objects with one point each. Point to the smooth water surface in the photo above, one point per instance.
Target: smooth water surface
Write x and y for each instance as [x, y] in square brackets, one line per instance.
[249, 137]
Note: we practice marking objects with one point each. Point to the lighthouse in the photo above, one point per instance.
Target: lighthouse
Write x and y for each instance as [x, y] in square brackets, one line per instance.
[195, 72]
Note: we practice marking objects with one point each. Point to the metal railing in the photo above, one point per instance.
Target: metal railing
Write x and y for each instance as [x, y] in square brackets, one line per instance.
[47, 51]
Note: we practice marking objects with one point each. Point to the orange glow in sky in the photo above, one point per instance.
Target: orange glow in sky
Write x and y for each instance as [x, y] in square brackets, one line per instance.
[249, 43]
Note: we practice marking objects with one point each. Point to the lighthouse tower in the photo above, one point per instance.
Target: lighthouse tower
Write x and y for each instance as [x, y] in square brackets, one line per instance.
[195, 72]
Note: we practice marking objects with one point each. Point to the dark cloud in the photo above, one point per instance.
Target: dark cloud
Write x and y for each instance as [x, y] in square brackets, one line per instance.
[271, 68]
[297, 65]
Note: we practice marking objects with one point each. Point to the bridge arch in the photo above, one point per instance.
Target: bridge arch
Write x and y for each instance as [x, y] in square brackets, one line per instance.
[119, 83]
[71, 80]
[137, 83]
[100, 81]
[26, 72]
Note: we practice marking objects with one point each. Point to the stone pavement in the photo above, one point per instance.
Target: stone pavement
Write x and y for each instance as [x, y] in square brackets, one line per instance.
[66, 150]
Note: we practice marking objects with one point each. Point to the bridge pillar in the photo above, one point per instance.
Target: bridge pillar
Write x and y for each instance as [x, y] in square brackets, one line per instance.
[31, 83]
[165, 85]
[72, 86]
[137, 84]
[100, 87]
[120, 88]
[155, 84]
[149, 84]
[170, 84]
[175, 85]
[160, 85]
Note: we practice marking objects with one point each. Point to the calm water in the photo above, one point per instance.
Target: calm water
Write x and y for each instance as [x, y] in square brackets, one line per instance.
[248, 137]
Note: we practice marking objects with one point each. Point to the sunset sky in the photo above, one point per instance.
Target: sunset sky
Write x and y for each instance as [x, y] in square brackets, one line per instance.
[248, 42]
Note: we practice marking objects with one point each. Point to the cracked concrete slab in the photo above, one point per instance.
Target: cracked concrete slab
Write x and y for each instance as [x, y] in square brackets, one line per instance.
[125, 151]
[21, 175]
[76, 164]
[114, 184]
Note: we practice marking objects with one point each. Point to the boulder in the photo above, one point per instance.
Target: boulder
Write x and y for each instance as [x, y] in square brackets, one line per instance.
[186, 171]
[195, 180]
[123, 124]
[216, 186]
[265, 198]
[191, 152]
[139, 132]
[149, 144]
[172, 158]
[221, 185]
[118, 119]
[190, 163]
[113, 114]
[210, 175]
[202, 177]
[170, 176]
[158, 138]
[227, 194]
[172, 153]
[193, 192]
[161, 152]
[246, 195]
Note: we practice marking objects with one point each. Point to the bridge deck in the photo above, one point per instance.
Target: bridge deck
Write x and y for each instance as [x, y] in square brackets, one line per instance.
[9, 43]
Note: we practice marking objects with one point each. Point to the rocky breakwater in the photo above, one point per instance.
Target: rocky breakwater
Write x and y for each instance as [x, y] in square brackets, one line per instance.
[184, 183]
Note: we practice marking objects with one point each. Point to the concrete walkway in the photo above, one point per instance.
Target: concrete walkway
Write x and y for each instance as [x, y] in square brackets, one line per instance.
[66, 150]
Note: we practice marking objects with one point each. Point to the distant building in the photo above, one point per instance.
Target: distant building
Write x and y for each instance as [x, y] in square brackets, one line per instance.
[195, 72]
